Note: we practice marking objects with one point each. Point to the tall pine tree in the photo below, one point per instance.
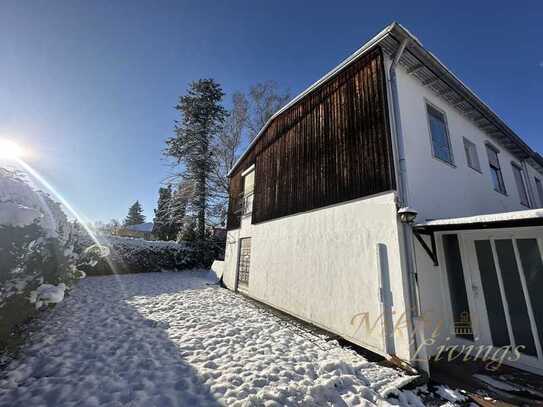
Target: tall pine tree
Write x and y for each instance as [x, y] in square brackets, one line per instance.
[202, 118]
[135, 215]
[162, 221]
[178, 208]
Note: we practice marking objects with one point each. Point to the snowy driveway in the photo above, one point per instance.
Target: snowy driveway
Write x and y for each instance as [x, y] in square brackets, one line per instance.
[170, 339]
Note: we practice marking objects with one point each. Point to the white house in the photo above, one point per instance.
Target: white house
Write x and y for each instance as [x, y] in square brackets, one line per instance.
[320, 226]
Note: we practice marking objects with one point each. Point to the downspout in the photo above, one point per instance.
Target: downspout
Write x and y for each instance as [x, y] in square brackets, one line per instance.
[402, 185]
[414, 310]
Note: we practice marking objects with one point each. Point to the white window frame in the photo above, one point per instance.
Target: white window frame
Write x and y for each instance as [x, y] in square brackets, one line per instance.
[490, 147]
[520, 188]
[247, 197]
[430, 105]
[474, 166]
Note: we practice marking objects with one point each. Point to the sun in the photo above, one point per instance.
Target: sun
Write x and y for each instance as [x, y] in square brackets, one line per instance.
[10, 149]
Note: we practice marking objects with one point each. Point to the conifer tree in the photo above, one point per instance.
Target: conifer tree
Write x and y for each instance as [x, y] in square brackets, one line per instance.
[162, 222]
[178, 208]
[202, 118]
[135, 215]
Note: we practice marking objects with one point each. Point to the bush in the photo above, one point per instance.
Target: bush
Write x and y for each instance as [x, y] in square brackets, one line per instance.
[122, 255]
[36, 250]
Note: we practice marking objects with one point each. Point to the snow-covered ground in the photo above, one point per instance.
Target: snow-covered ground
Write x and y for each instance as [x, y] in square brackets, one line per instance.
[172, 339]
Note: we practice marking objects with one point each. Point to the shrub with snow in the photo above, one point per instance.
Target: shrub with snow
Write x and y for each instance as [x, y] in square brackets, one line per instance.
[128, 255]
[36, 253]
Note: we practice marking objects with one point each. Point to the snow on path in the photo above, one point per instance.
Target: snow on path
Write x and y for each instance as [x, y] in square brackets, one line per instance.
[169, 339]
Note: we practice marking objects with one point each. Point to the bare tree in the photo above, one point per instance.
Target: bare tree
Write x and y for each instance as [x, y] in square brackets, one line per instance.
[265, 98]
[226, 151]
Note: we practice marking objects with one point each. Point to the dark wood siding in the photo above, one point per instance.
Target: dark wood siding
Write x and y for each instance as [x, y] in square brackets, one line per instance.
[333, 145]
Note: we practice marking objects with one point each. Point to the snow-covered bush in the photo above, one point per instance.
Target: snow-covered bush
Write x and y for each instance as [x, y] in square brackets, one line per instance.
[128, 255]
[37, 261]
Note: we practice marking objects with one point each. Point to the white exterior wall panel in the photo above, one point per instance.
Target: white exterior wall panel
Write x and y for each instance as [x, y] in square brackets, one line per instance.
[437, 189]
[322, 266]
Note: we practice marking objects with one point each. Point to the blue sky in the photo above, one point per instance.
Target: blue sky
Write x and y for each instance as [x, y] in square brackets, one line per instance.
[89, 86]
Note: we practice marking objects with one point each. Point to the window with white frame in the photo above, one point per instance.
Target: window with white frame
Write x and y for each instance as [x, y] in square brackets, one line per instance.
[539, 189]
[248, 192]
[521, 186]
[471, 155]
[495, 169]
[244, 263]
[441, 144]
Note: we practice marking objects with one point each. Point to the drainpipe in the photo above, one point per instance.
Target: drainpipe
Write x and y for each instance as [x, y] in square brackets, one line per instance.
[402, 187]
[403, 195]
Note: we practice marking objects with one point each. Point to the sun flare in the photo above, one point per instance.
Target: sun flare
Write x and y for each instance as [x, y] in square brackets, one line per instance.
[10, 149]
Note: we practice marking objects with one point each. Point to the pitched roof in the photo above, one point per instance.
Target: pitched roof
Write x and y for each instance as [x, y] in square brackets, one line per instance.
[427, 68]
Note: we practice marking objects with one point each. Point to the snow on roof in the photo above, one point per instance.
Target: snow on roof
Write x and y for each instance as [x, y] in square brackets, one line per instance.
[529, 214]
[142, 227]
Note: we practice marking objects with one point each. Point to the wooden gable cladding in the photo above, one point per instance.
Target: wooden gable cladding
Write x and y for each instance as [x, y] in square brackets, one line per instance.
[333, 145]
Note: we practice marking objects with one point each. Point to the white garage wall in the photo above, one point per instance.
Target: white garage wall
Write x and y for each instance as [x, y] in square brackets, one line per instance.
[322, 267]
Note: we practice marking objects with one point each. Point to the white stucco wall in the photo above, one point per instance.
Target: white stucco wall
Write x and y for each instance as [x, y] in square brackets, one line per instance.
[439, 190]
[322, 266]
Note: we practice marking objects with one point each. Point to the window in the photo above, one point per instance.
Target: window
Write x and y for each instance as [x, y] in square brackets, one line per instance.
[539, 188]
[441, 145]
[244, 261]
[519, 180]
[248, 193]
[471, 155]
[457, 287]
[495, 170]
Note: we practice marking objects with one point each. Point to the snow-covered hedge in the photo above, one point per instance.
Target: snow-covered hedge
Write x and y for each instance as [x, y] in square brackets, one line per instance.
[128, 255]
[37, 261]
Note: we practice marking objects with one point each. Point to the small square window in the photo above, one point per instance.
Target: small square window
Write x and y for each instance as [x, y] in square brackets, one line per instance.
[519, 180]
[441, 145]
[471, 155]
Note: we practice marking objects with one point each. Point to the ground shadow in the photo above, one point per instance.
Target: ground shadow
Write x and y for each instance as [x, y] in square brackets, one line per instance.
[97, 349]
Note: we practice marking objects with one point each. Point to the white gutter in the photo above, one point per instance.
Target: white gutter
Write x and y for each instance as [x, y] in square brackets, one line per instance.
[315, 85]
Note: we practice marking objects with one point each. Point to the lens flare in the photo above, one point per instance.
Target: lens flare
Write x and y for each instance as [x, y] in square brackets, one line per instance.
[10, 149]
[57, 195]
[67, 205]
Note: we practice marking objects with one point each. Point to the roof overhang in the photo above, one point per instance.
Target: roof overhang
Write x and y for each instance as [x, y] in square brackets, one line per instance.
[532, 217]
[431, 72]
